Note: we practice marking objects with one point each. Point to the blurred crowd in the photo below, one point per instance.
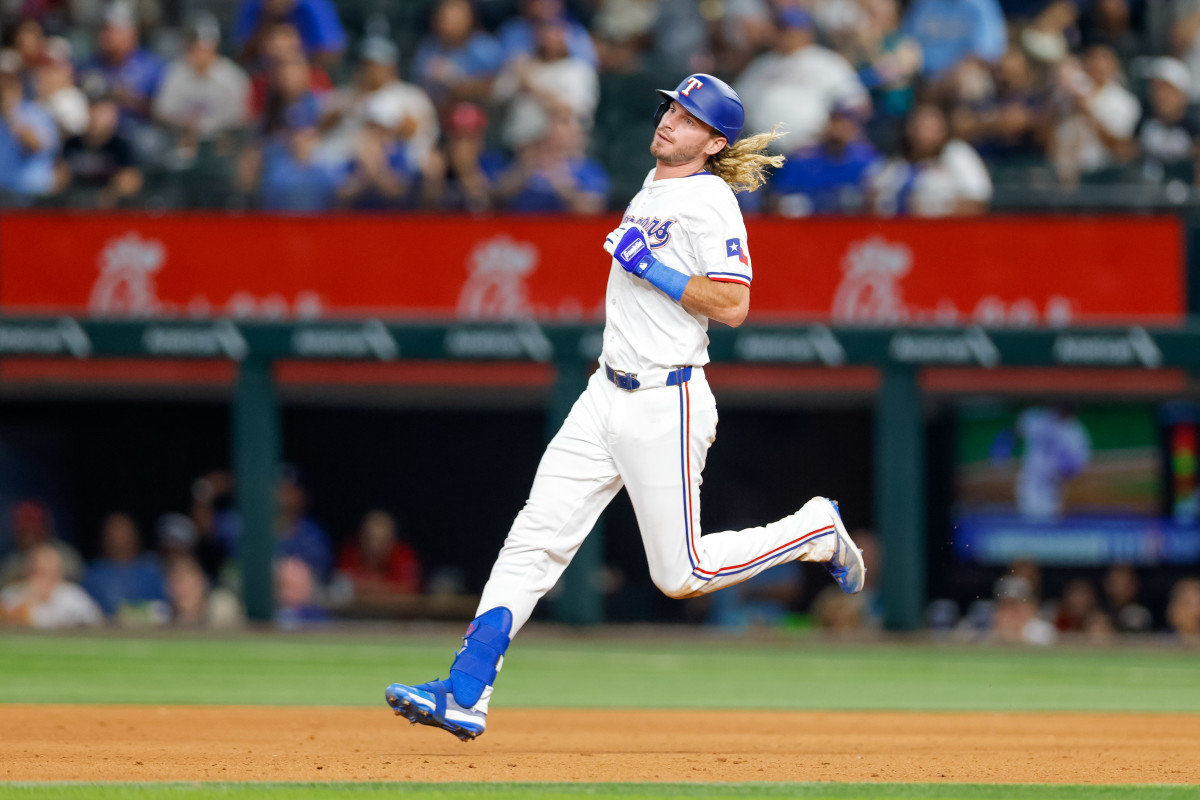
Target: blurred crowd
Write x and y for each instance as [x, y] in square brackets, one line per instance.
[187, 575]
[1089, 610]
[917, 108]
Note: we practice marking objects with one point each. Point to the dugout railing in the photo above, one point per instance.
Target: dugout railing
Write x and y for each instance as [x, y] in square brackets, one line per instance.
[899, 354]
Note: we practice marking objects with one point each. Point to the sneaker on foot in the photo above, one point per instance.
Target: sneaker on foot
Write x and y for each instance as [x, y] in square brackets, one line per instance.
[433, 704]
[846, 566]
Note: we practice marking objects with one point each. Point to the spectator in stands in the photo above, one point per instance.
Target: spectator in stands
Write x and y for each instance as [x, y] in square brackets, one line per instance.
[518, 35]
[123, 575]
[1012, 120]
[1108, 22]
[547, 81]
[1169, 129]
[382, 174]
[209, 513]
[298, 535]
[29, 43]
[204, 95]
[100, 163]
[1096, 115]
[764, 601]
[1121, 600]
[1047, 29]
[33, 526]
[798, 83]
[296, 596]
[470, 168]
[1185, 38]
[934, 176]
[378, 563]
[316, 21]
[552, 174]
[951, 31]
[45, 598]
[283, 167]
[1183, 610]
[828, 177]
[193, 605]
[123, 70]
[178, 538]
[402, 110]
[888, 61]
[28, 140]
[1077, 608]
[1015, 618]
[281, 43]
[745, 30]
[56, 90]
[456, 61]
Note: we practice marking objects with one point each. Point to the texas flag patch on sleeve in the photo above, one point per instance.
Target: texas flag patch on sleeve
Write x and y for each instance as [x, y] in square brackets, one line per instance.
[735, 249]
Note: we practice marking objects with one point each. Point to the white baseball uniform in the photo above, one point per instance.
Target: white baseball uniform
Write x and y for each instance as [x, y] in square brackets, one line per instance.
[653, 435]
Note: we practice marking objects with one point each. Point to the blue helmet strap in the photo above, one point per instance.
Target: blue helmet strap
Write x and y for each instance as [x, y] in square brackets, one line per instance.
[474, 667]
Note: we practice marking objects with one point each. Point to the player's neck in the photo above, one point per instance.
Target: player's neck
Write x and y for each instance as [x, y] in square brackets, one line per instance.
[664, 171]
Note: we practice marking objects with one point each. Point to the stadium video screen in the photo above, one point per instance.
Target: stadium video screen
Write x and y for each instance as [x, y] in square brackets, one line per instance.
[1075, 485]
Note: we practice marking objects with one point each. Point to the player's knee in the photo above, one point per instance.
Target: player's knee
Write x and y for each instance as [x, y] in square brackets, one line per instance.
[677, 586]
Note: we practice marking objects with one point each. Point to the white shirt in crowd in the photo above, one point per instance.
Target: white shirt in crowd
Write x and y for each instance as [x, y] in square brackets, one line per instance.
[69, 606]
[798, 89]
[213, 102]
[572, 82]
[387, 106]
[934, 187]
[1115, 109]
[69, 107]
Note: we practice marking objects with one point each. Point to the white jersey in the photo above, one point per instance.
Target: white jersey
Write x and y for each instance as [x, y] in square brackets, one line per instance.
[694, 226]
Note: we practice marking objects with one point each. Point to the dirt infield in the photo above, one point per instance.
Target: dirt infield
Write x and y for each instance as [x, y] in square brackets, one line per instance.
[148, 743]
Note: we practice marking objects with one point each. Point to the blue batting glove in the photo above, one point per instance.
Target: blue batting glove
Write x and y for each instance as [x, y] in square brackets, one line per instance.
[629, 246]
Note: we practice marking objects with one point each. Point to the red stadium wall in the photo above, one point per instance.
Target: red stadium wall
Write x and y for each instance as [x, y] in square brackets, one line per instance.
[993, 270]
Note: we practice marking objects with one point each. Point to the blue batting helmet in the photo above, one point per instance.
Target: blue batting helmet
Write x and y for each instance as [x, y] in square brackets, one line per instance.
[710, 100]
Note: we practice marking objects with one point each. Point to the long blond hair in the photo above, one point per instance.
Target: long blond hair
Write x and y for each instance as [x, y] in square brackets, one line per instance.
[743, 163]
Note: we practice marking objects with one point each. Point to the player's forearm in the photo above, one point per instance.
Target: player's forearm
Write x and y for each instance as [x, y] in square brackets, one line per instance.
[718, 300]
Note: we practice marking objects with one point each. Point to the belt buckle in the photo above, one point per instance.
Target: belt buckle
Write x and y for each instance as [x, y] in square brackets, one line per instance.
[629, 379]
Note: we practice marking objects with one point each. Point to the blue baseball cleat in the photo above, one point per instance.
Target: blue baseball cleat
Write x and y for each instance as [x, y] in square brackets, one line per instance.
[846, 566]
[433, 704]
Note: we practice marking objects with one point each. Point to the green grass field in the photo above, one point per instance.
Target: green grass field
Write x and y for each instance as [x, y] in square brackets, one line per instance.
[352, 669]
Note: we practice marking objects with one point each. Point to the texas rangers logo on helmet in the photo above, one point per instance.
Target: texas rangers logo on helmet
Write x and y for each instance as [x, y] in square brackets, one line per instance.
[692, 83]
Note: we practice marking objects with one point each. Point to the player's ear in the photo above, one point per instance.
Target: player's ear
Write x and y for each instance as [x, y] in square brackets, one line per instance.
[715, 145]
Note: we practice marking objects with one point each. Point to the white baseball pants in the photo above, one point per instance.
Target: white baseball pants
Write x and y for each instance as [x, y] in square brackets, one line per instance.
[654, 442]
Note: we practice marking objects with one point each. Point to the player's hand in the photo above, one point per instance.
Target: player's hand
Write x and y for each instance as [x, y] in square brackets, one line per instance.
[629, 246]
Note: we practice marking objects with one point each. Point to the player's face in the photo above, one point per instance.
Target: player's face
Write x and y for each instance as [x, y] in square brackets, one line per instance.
[681, 138]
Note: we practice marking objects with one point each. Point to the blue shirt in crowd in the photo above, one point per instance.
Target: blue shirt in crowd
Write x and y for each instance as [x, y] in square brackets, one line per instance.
[139, 74]
[317, 21]
[538, 194]
[952, 30]
[518, 37]
[289, 184]
[113, 583]
[309, 542]
[478, 57]
[819, 181]
[23, 172]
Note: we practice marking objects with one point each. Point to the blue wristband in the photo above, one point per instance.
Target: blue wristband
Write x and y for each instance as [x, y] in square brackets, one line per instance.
[672, 282]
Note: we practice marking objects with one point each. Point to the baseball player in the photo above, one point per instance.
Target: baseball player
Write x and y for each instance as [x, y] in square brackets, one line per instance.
[647, 418]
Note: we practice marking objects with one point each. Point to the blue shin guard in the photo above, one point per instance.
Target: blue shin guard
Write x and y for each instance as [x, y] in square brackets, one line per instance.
[476, 664]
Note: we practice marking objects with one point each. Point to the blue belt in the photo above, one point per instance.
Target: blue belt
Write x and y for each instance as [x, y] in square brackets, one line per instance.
[629, 380]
